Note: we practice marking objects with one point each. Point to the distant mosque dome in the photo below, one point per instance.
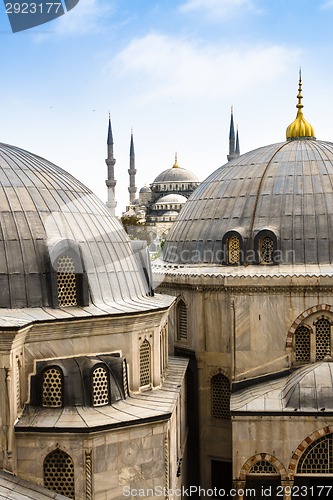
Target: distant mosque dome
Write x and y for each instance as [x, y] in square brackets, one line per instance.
[176, 174]
[271, 205]
[145, 189]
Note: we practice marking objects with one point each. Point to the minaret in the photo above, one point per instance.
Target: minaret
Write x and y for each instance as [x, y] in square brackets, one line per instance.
[233, 142]
[132, 172]
[110, 182]
[237, 150]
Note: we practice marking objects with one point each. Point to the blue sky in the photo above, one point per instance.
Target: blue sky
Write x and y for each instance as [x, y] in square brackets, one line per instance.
[171, 69]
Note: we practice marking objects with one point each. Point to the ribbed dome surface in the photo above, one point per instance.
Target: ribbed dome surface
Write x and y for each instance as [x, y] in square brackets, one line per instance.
[301, 390]
[42, 206]
[285, 188]
[176, 174]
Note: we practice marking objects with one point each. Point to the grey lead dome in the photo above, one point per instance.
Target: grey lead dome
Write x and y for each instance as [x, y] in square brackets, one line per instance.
[283, 188]
[43, 208]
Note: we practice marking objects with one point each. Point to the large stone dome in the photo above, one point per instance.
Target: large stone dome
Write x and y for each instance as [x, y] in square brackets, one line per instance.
[284, 190]
[44, 211]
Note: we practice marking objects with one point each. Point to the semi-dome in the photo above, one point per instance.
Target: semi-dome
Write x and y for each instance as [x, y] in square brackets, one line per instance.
[300, 391]
[271, 205]
[171, 198]
[46, 214]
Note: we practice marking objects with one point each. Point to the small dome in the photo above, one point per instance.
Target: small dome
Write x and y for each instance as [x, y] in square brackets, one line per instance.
[301, 390]
[171, 198]
[145, 189]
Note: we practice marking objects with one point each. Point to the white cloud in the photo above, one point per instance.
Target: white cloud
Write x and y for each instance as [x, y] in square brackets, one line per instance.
[86, 17]
[327, 5]
[163, 66]
[219, 9]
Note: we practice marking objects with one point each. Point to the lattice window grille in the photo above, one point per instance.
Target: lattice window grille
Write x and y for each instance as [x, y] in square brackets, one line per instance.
[145, 363]
[182, 320]
[318, 457]
[302, 343]
[125, 381]
[100, 386]
[59, 473]
[266, 249]
[234, 250]
[52, 388]
[323, 338]
[66, 281]
[263, 467]
[220, 388]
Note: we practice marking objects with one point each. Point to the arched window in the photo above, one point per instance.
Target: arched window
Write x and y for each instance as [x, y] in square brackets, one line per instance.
[302, 343]
[220, 397]
[66, 281]
[266, 250]
[52, 388]
[233, 250]
[263, 477]
[59, 473]
[318, 457]
[323, 338]
[181, 313]
[100, 386]
[145, 363]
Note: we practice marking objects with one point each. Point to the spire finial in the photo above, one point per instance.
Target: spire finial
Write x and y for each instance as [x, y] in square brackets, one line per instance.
[175, 165]
[300, 128]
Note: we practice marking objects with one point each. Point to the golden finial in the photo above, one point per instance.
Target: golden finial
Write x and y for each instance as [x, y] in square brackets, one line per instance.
[175, 165]
[300, 128]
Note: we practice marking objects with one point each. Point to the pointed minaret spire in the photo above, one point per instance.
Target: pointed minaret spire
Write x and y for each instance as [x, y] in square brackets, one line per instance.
[237, 150]
[132, 172]
[110, 181]
[233, 141]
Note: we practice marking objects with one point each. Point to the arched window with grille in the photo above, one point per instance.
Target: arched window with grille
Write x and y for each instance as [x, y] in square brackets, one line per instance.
[52, 393]
[265, 246]
[233, 250]
[58, 471]
[66, 281]
[220, 397]
[303, 344]
[181, 313]
[323, 338]
[100, 386]
[318, 457]
[145, 363]
[263, 477]
[266, 250]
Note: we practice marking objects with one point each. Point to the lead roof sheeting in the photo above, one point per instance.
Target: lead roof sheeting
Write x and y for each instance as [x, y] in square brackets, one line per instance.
[147, 405]
[278, 180]
[41, 202]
